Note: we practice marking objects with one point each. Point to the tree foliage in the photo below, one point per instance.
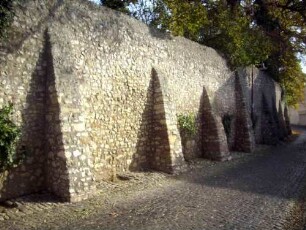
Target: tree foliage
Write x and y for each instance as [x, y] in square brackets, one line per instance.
[186, 19]
[10, 155]
[231, 31]
[187, 124]
[291, 78]
[284, 22]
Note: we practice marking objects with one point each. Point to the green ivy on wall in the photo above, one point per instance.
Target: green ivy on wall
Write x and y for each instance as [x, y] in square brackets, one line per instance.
[9, 137]
[187, 123]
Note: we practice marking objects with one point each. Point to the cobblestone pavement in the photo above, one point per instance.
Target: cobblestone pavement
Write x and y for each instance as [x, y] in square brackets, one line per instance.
[253, 191]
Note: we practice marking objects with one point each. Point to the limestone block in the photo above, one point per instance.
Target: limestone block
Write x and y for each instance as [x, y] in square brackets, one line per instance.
[79, 127]
[76, 153]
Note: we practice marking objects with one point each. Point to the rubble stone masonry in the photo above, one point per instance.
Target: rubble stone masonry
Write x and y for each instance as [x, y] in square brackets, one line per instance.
[97, 92]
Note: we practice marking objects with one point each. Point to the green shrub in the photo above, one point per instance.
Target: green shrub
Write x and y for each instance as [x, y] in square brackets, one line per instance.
[187, 123]
[10, 155]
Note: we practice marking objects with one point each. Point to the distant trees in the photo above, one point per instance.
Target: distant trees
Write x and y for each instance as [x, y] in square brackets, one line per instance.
[284, 22]
[246, 31]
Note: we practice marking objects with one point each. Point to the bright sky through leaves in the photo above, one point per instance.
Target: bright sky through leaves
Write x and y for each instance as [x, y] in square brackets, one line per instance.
[95, 1]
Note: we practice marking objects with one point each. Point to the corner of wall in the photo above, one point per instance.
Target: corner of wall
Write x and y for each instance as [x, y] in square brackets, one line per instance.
[69, 167]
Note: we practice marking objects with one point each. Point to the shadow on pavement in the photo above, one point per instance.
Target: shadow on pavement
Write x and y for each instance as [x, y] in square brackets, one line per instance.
[275, 172]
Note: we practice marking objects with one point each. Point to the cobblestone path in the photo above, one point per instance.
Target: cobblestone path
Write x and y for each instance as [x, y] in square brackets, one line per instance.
[253, 191]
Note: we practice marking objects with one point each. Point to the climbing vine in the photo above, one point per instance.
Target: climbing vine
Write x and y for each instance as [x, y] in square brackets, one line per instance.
[10, 155]
[187, 123]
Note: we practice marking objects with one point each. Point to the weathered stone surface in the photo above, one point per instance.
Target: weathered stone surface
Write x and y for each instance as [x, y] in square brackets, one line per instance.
[266, 107]
[97, 93]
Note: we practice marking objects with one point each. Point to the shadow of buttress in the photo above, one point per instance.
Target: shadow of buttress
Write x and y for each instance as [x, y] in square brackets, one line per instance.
[43, 169]
[153, 148]
[263, 172]
[144, 145]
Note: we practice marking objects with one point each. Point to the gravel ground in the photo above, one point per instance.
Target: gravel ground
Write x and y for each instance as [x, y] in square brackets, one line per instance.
[253, 191]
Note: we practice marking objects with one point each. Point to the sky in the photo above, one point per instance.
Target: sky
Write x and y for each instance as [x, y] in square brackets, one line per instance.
[95, 1]
[303, 65]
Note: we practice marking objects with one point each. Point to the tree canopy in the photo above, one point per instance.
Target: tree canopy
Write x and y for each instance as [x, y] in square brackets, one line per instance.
[248, 32]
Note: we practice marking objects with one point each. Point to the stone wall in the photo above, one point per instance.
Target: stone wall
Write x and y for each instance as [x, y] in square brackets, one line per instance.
[269, 113]
[99, 93]
[22, 70]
